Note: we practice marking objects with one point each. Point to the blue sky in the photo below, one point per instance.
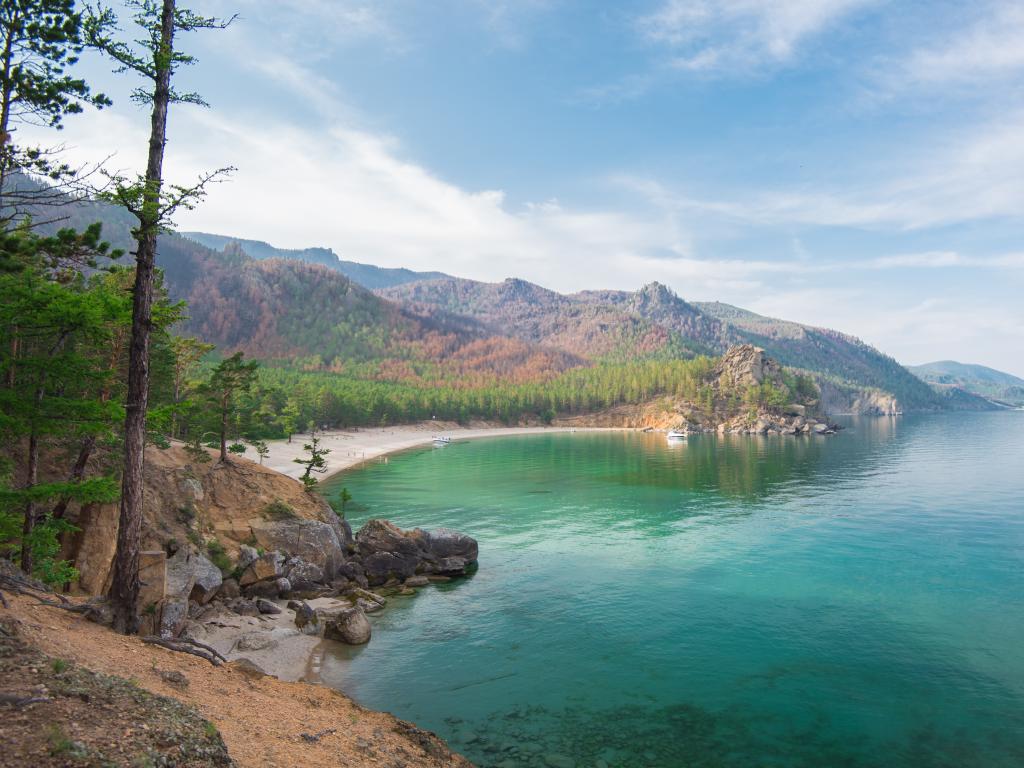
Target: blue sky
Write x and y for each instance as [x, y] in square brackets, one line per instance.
[857, 164]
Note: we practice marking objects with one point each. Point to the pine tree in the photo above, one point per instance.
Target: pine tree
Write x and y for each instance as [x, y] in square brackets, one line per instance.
[155, 58]
[229, 378]
[40, 40]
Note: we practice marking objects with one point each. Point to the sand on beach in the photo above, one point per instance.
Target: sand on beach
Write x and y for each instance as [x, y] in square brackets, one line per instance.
[349, 448]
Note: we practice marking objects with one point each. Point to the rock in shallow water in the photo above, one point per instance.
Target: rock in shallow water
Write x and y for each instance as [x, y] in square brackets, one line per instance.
[388, 553]
[349, 626]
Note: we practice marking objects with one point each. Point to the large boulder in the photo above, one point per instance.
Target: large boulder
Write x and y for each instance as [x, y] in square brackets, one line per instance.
[386, 552]
[173, 616]
[312, 541]
[304, 576]
[192, 575]
[349, 626]
[265, 567]
[451, 547]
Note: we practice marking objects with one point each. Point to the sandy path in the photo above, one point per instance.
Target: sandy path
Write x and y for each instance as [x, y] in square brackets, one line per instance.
[350, 448]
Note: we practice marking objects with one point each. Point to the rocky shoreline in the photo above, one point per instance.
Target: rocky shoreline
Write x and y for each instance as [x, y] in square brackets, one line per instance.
[277, 607]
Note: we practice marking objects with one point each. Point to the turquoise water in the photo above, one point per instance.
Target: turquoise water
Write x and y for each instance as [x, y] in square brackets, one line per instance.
[847, 601]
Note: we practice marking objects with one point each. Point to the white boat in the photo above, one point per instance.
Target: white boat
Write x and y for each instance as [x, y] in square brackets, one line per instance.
[441, 440]
[677, 434]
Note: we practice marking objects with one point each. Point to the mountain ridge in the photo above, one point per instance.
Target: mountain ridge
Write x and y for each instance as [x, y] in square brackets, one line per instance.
[300, 308]
[368, 275]
[979, 380]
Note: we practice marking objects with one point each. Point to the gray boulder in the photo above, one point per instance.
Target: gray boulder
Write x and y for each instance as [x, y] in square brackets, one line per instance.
[313, 541]
[349, 626]
[229, 589]
[255, 641]
[173, 616]
[247, 555]
[192, 575]
[444, 542]
[265, 567]
[304, 576]
[243, 607]
[389, 554]
[306, 619]
[266, 607]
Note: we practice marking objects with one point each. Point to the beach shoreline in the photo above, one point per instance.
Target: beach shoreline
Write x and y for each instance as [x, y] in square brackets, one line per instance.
[353, 447]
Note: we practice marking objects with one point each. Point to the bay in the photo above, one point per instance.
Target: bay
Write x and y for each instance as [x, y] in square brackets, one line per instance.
[855, 600]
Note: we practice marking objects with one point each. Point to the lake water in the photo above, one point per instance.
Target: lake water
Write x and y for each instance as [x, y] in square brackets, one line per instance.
[850, 601]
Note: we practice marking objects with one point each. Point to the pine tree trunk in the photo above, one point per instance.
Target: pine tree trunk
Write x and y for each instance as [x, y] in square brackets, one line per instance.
[77, 473]
[224, 431]
[29, 523]
[124, 590]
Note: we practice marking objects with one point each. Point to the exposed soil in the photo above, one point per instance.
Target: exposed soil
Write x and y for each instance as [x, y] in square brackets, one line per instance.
[154, 713]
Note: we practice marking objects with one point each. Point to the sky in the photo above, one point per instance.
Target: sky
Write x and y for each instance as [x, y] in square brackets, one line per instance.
[854, 164]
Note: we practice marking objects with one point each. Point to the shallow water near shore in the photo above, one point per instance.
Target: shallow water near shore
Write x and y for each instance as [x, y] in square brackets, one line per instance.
[853, 601]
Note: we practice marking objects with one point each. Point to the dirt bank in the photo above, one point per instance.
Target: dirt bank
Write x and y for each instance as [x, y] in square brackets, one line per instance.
[261, 719]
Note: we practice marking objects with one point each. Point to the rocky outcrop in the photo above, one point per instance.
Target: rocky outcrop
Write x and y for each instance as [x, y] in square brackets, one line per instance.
[746, 366]
[746, 392]
[387, 553]
[857, 401]
[189, 502]
[313, 541]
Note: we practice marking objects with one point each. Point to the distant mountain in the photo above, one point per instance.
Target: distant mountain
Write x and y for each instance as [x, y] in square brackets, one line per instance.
[654, 320]
[541, 316]
[311, 310]
[366, 275]
[976, 379]
[318, 319]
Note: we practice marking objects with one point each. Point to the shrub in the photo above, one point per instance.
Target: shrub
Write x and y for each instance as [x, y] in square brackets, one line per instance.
[218, 555]
[278, 510]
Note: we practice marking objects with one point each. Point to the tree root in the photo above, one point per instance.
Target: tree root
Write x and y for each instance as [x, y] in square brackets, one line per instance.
[16, 701]
[313, 738]
[184, 647]
[202, 646]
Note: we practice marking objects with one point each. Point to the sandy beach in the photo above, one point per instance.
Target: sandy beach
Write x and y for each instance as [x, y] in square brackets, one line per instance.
[350, 448]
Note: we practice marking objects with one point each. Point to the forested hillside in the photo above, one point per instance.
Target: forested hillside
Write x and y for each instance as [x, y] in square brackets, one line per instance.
[300, 309]
[655, 321]
[313, 318]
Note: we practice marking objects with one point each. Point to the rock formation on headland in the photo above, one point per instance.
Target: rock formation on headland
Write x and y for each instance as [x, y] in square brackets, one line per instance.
[745, 392]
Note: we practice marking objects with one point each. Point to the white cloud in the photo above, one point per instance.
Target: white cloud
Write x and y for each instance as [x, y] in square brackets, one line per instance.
[975, 176]
[990, 47]
[310, 27]
[715, 35]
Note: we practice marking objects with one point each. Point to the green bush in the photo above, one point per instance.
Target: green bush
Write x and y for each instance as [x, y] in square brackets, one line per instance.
[278, 510]
[218, 556]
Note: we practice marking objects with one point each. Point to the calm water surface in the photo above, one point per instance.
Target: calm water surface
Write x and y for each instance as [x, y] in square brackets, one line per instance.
[847, 601]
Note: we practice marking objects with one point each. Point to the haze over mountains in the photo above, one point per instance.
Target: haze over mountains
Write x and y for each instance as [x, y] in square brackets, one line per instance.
[980, 379]
[512, 328]
[311, 309]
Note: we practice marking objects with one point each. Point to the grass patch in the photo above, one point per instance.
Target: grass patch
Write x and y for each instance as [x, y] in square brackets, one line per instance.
[278, 510]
